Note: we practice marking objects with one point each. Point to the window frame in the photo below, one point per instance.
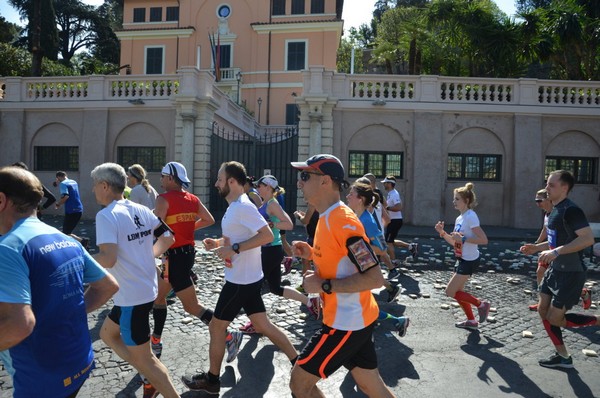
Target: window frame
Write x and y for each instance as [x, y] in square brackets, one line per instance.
[320, 4]
[560, 160]
[66, 161]
[152, 166]
[481, 167]
[287, 53]
[297, 6]
[172, 14]
[279, 6]
[138, 10]
[155, 14]
[146, 48]
[385, 170]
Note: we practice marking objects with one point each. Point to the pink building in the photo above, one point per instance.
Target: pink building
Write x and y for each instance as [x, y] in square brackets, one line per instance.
[256, 48]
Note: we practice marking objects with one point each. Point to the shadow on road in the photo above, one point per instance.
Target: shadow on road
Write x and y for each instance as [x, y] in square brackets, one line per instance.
[510, 371]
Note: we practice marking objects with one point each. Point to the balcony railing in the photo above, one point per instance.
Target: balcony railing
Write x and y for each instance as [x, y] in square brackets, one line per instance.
[441, 89]
[90, 88]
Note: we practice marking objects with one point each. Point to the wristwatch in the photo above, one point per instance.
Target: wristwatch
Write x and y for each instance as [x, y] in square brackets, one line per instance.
[236, 248]
[326, 286]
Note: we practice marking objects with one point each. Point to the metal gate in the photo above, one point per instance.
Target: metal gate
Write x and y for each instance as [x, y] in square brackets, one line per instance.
[270, 153]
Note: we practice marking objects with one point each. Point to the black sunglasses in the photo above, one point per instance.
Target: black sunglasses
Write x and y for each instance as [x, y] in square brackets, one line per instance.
[539, 200]
[305, 175]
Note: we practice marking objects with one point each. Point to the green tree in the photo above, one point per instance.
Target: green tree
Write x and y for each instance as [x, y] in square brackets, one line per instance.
[344, 56]
[9, 31]
[42, 33]
[106, 45]
[17, 62]
[566, 35]
[75, 21]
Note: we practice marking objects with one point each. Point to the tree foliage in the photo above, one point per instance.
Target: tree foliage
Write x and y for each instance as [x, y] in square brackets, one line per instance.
[9, 32]
[550, 39]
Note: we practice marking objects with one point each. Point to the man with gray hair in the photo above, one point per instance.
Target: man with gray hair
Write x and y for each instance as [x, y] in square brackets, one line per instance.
[42, 295]
[124, 235]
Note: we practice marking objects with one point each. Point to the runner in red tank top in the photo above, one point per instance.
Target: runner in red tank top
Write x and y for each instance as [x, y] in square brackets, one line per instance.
[184, 213]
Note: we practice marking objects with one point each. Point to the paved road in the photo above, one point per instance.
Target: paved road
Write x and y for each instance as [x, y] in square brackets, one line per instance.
[434, 359]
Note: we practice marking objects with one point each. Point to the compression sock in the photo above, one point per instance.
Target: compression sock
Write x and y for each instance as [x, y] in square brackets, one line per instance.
[468, 298]
[159, 313]
[467, 309]
[554, 333]
[580, 320]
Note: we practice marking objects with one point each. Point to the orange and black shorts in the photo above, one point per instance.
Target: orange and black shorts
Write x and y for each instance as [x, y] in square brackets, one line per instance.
[329, 349]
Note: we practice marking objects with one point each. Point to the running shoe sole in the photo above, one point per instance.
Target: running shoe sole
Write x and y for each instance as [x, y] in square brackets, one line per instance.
[467, 326]
[402, 330]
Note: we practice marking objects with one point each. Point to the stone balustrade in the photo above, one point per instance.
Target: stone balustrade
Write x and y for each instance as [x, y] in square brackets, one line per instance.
[378, 88]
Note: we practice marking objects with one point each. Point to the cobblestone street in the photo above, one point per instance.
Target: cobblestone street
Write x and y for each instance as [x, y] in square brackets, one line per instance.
[433, 359]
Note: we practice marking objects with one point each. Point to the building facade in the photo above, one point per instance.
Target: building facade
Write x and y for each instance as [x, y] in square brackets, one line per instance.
[256, 48]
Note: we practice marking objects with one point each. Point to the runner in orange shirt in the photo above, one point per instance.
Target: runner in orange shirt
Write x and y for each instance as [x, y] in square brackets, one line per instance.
[346, 269]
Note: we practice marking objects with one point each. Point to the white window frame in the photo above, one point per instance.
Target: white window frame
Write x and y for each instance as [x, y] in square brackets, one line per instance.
[146, 48]
[287, 43]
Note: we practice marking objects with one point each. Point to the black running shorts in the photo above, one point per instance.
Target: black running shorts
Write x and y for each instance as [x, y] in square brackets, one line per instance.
[329, 349]
[563, 287]
[134, 322]
[466, 267]
[392, 229]
[181, 261]
[234, 297]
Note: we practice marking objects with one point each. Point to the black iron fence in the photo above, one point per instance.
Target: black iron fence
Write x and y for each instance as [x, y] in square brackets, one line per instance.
[266, 154]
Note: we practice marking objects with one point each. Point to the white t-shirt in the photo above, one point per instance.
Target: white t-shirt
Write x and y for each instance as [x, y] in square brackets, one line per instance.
[139, 195]
[240, 223]
[130, 226]
[393, 198]
[465, 224]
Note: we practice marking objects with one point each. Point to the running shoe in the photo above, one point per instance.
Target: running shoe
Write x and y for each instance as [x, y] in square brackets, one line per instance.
[586, 296]
[314, 306]
[533, 307]
[401, 325]
[393, 273]
[248, 328]
[557, 361]
[171, 294]
[200, 382]
[413, 248]
[483, 310]
[392, 294]
[287, 265]
[232, 344]
[468, 324]
[156, 348]
[149, 391]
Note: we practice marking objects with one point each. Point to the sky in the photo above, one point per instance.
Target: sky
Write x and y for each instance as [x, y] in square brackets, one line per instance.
[356, 12]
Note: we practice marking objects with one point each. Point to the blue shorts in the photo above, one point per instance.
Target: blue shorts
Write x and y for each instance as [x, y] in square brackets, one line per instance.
[134, 322]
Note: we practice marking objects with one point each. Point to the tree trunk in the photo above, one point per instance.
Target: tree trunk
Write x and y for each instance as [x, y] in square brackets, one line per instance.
[36, 49]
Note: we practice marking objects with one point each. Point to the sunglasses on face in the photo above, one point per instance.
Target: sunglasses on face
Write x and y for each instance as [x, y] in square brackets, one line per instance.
[305, 175]
[539, 200]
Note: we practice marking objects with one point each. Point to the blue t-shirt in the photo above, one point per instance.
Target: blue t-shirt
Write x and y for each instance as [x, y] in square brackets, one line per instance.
[372, 230]
[73, 204]
[46, 269]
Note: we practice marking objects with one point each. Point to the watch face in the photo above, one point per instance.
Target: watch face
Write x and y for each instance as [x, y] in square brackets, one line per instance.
[224, 11]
